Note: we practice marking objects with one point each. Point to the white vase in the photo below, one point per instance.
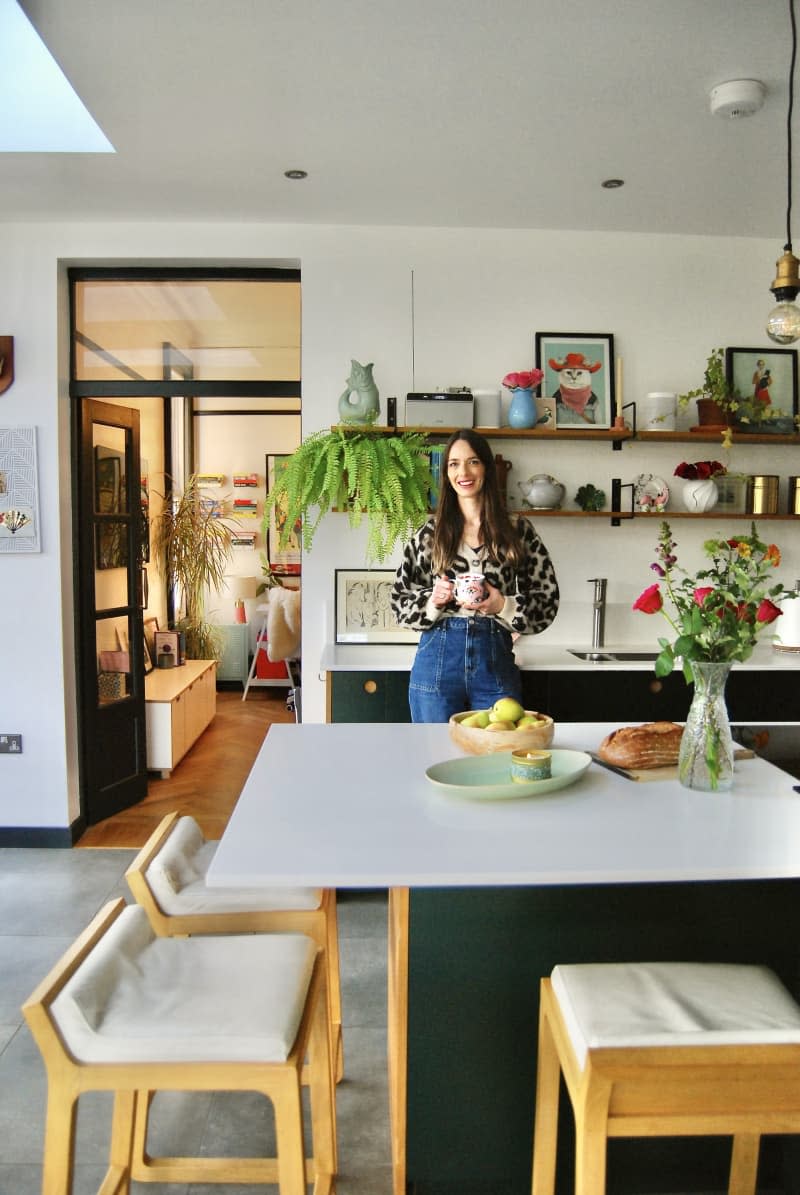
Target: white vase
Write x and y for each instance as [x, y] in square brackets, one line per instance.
[699, 496]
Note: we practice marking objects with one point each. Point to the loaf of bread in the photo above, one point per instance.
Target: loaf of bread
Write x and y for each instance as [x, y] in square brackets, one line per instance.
[653, 745]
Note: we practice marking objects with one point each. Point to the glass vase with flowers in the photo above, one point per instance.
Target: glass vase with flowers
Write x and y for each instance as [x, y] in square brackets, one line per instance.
[718, 615]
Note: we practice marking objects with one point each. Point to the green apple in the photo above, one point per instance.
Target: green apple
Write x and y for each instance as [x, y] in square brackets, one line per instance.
[507, 709]
[530, 720]
[480, 719]
[497, 725]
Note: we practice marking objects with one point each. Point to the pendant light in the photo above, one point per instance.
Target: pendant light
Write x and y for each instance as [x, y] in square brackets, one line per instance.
[783, 324]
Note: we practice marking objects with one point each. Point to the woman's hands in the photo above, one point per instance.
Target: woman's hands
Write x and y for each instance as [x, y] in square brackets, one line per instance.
[444, 592]
[492, 604]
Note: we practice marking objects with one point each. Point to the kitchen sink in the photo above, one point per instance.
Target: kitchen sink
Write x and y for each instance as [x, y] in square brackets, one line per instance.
[598, 656]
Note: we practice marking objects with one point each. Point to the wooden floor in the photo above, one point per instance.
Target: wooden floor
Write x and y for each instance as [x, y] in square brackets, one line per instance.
[208, 780]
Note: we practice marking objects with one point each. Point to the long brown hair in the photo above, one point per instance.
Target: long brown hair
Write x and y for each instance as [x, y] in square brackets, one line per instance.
[498, 534]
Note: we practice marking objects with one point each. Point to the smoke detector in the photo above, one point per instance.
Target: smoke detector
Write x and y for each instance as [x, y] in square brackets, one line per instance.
[737, 98]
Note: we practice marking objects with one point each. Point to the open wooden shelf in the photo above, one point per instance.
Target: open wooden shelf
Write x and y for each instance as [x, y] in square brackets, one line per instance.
[714, 436]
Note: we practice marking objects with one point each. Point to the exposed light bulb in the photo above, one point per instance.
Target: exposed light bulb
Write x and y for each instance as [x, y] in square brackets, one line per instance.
[783, 323]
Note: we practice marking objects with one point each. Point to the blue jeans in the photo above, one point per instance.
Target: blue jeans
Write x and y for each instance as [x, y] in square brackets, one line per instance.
[462, 664]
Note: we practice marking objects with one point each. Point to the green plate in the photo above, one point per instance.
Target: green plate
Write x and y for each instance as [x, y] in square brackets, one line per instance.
[487, 777]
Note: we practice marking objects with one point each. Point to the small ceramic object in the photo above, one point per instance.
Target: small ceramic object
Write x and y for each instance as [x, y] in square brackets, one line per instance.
[542, 492]
[364, 407]
[530, 765]
[650, 493]
[470, 588]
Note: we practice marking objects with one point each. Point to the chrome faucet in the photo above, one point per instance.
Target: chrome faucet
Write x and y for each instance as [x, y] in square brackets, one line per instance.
[598, 611]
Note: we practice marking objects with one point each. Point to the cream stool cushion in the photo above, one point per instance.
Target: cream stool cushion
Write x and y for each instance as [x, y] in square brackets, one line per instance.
[672, 1004]
[141, 998]
[177, 877]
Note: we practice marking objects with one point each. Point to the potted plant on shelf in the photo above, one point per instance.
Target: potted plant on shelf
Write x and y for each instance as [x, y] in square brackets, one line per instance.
[720, 405]
[193, 545]
[714, 401]
[366, 473]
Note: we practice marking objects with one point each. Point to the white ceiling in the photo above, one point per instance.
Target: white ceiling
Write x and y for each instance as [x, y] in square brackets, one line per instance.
[489, 113]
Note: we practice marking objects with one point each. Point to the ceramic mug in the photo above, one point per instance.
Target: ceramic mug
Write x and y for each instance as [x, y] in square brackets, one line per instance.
[470, 588]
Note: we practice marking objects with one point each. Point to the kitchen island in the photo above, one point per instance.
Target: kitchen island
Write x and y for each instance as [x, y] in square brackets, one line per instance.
[485, 897]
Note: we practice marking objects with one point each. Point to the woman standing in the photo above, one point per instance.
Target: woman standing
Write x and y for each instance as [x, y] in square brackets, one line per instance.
[465, 657]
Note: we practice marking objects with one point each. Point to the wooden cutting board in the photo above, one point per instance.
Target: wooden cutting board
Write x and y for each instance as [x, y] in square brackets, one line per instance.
[670, 773]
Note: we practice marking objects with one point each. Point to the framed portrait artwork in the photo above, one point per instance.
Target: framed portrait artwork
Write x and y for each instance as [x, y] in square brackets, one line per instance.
[281, 560]
[362, 609]
[578, 372]
[767, 376]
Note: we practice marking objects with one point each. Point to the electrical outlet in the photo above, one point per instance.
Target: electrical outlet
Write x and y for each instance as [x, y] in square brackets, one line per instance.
[10, 744]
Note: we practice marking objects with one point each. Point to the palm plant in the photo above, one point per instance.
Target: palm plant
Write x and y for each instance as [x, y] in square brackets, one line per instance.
[193, 546]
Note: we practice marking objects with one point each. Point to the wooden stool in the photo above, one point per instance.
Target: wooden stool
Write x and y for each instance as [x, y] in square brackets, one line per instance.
[129, 1012]
[665, 1050]
[167, 878]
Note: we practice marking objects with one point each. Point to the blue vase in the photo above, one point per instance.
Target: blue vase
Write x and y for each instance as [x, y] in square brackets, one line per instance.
[522, 412]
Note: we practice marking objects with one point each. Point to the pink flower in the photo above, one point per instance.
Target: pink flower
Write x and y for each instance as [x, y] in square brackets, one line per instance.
[701, 594]
[767, 611]
[650, 601]
[525, 379]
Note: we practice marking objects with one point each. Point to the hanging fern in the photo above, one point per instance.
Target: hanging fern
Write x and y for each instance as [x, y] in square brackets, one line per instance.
[385, 478]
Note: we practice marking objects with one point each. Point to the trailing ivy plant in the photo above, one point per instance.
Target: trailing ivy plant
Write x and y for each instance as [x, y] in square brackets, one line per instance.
[385, 478]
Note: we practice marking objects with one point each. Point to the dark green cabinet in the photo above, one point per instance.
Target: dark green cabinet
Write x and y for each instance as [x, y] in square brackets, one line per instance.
[590, 695]
[369, 697]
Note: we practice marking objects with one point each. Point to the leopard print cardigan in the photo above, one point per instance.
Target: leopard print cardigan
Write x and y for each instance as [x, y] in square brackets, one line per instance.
[532, 586]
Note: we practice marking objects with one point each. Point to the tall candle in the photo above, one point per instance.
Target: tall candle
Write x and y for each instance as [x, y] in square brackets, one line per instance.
[619, 387]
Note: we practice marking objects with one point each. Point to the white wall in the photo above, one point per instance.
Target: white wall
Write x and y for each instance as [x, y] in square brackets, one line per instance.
[479, 297]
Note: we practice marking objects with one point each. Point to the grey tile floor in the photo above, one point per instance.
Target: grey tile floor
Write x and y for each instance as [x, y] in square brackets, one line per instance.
[46, 898]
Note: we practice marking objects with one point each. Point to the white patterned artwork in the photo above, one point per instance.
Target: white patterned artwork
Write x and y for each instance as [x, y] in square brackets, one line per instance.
[19, 499]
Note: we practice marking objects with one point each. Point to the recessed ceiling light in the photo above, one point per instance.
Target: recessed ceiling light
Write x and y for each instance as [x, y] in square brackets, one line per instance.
[295, 174]
[611, 184]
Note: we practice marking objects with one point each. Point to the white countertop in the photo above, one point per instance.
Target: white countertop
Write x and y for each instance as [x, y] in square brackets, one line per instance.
[349, 805]
[530, 653]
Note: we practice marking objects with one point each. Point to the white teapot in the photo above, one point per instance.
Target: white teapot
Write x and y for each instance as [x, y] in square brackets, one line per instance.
[542, 492]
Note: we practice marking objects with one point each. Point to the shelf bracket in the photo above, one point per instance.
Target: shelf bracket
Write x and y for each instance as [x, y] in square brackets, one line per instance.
[617, 513]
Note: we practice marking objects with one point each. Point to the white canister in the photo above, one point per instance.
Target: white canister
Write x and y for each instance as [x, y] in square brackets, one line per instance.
[787, 627]
[486, 408]
[656, 412]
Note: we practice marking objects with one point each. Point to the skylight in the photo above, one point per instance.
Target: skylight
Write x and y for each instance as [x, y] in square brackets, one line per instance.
[39, 110]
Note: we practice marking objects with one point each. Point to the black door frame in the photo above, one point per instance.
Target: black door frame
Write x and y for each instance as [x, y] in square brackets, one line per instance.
[134, 386]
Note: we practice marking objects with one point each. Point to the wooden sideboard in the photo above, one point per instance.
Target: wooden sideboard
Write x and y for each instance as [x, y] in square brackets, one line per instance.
[179, 704]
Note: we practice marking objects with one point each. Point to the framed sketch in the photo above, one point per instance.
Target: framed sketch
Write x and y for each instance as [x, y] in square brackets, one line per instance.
[363, 612]
[578, 372]
[281, 560]
[766, 376]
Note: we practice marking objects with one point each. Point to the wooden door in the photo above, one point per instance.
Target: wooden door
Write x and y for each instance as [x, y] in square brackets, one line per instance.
[110, 640]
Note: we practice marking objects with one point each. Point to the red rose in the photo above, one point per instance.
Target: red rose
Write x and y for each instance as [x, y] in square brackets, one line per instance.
[701, 594]
[649, 602]
[767, 611]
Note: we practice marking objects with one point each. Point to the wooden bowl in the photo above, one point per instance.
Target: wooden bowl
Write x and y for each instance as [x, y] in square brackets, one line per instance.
[476, 741]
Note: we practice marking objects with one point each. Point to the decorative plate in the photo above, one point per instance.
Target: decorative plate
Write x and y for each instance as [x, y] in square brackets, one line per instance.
[650, 492]
[488, 777]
